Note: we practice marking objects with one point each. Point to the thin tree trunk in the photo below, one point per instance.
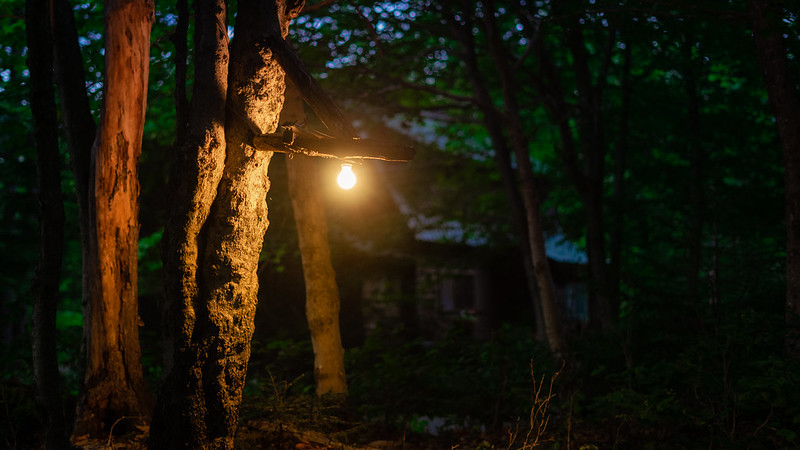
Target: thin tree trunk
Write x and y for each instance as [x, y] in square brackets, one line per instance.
[322, 293]
[592, 139]
[113, 385]
[502, 156]
[785, 104]
[530, 193]
[588, 179]
[696, 194]
[51, 224]
[618, 195]
[80, 126]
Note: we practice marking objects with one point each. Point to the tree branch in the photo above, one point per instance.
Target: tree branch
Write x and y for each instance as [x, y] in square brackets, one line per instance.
[432, 90]
[295, 140]
[309, 8]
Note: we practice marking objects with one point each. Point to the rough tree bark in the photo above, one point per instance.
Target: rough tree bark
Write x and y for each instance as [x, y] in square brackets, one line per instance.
[322, 292]
[785, 101]
[113, 386]
[196, 172]
[218, 223]
[51, 223]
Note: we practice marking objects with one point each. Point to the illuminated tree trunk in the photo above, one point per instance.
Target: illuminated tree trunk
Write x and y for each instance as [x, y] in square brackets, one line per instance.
[322, 293]
[785, 102]
[113, 386]
[219, 217]
[51, 220]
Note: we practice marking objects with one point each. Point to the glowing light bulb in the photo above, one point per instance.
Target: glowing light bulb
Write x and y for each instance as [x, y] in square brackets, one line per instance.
[346, 179]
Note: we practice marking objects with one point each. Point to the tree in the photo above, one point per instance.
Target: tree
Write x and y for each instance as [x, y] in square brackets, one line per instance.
[51, 219]
[113, 386]
[581, 129]
[493, 121]
[322, 292]
[529, 191]
[219, 216]
[785, 102]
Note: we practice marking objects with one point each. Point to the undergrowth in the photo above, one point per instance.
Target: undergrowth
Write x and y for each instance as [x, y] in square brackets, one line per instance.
[726, 387]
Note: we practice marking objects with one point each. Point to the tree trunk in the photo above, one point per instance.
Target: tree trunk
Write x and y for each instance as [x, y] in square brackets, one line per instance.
[322, 293]
[530, 192]
[113, 386]
[592, 139]
[588, 179]
[180, 413]
[696, 192]
[77, 116]
[502, 156]
[51, 224]
[785, 104]
[214, 239]
[618, 195]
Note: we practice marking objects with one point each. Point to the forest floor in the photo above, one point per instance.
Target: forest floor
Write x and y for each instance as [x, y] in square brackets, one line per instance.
[262, 433]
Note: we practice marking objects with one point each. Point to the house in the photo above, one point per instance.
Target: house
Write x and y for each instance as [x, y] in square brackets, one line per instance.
[432, 273]
[398, 268]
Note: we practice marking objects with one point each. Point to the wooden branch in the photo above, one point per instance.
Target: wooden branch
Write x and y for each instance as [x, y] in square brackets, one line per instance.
[294, 140]
[307, 8]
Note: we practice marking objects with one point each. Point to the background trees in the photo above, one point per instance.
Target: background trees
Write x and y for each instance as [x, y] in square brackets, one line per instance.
[651, 145]
[108, 191]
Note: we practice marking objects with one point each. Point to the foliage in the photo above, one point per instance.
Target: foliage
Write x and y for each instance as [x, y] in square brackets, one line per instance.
[458, 378]
[717, 387]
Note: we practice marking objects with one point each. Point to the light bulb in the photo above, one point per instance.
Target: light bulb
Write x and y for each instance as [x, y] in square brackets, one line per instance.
[346, 179]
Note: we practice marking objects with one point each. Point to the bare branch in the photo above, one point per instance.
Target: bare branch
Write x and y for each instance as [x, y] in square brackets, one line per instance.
[432, 90]
[295, 140]
[309, 8]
